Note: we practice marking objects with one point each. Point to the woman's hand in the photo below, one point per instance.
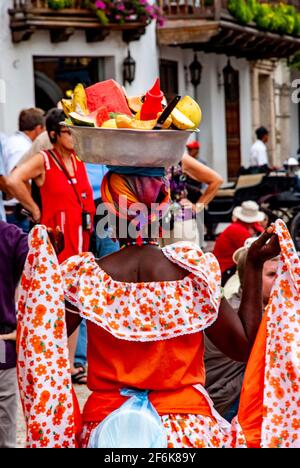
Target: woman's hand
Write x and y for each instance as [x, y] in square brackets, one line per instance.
[264, 249]
[36, 215]
[57, 240]
[10, 336]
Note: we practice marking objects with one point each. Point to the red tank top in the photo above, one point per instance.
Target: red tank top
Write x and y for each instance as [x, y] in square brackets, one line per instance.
[61, 206]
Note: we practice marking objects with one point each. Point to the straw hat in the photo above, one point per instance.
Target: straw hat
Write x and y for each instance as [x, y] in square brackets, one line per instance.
[249, 213]
[241, 250]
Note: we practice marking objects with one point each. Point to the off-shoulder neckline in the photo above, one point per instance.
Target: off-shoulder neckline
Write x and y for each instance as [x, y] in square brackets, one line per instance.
[189, 276]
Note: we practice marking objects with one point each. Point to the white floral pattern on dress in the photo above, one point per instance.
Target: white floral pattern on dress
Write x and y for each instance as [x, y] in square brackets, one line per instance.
[281, 423]
[147, 311]
[43, 360]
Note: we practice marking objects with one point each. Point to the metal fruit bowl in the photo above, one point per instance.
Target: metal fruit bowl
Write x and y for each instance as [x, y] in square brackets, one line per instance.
[125, 147]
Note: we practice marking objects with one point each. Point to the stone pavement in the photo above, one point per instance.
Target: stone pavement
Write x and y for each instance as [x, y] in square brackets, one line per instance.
[82, 393]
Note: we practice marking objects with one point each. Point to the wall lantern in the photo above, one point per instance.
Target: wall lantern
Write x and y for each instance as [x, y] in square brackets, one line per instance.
[231, 82]
[129, 67]
[195, 72]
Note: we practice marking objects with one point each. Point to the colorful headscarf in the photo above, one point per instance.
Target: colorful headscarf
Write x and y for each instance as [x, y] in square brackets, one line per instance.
[135, 189]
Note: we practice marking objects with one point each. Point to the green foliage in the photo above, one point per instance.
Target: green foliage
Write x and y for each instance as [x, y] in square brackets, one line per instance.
[59, 4]
[279, 18]
[295, 63]
[241, 10]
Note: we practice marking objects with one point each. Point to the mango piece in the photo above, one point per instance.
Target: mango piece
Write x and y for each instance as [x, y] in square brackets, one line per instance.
[67, 106]
[80, 100]
[111, 123]
[167, 123]
[181, 121]
[191, 109]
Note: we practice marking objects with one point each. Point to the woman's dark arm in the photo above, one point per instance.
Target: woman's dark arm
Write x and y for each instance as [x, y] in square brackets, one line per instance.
[73, 318]
[234, 334]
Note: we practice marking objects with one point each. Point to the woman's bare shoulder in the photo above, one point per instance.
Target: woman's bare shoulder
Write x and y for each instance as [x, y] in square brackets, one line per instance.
[148, 264]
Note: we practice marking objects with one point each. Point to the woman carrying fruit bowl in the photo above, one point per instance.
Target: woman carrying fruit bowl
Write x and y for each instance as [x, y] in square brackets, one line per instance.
[147, 309]
[66, 197]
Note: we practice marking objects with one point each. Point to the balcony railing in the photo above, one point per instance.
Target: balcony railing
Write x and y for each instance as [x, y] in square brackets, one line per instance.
[201, 9]
[220, 32]
[182, 9]
[27, 16]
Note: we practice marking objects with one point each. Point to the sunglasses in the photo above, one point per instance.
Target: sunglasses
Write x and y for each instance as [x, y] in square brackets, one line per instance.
[66, 131]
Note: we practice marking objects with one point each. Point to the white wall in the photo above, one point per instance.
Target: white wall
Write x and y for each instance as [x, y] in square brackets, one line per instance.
[211, 99]
[16, 69]
[16, 63]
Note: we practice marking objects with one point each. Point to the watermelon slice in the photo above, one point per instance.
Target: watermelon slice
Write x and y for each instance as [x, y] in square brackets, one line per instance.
[109, 94]
[100, 115]
[80, 120]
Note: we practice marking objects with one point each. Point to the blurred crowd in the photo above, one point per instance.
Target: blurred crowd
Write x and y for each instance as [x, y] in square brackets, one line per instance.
[42, 181]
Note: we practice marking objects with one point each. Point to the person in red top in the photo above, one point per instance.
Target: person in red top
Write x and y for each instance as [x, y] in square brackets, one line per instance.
[247, 218]
[66, 196]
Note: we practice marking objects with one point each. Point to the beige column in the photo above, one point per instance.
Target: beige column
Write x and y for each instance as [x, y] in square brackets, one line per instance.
[283, 120]
[263, 102]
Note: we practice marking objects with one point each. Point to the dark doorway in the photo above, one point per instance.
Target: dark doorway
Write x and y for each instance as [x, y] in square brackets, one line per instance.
[169, 78]
[56, 75]
[232, 109]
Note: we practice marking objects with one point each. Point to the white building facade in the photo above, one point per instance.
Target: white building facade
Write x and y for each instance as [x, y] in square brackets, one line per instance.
[264, 88]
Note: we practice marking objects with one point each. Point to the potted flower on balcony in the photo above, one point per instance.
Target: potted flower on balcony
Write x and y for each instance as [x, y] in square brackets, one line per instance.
[122, 12]
[117, 11]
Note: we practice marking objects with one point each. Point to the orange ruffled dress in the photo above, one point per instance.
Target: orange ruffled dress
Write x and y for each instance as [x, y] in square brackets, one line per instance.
[150, 336]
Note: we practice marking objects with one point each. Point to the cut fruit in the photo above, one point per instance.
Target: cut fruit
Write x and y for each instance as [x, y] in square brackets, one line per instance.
[82, 120]
[80, 101]
[113, 115]
[109, 94]
[167, 123]
[100, 116]
[181, 121]
[122, 121]
[67, 105]
[109, 124]
[191, 109]
[135, 103]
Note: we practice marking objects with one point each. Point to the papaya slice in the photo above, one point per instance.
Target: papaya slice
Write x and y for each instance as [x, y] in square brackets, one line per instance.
[135, 103]
[122, 121]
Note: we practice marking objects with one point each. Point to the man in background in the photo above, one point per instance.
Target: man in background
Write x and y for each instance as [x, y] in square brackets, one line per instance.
[259, 153]
[31, 125]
